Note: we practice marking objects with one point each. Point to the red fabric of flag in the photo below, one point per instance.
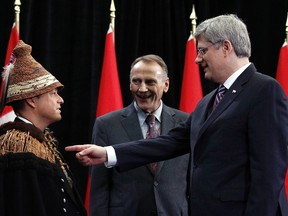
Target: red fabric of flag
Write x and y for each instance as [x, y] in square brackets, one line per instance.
[282, 68]
[286, 185]
[13, 40]
[191, 92]
[282, 78]
[8, 113]
[110, 96]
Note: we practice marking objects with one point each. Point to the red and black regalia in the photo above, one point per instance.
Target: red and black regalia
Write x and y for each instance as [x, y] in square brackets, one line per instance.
[34, 179]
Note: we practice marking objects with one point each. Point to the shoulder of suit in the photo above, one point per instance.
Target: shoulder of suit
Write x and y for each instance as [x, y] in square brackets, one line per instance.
[173, 111]
[124, 112]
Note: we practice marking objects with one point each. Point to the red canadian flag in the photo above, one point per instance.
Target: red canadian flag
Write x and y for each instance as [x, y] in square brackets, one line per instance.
[191, 92]
[282, 68]
[110, 96]
[8, 113]
[282, 77]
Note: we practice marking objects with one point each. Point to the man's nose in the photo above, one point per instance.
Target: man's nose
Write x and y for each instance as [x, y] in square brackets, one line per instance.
[198, 59]
[61, 100]
[142, 87]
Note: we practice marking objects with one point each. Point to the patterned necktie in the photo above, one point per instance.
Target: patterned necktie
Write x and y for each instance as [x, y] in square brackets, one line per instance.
[152, 129]
[220, 94]
[152, 132]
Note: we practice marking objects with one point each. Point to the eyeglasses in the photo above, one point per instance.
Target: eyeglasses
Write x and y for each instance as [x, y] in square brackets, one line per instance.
[202, 51]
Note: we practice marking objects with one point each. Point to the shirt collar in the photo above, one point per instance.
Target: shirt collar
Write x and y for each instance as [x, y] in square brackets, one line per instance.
[24, 120]
[142, 115]
[228, 83]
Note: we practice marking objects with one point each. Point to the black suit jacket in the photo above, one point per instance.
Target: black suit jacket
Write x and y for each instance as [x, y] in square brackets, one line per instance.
[238, 152]
[137, 192]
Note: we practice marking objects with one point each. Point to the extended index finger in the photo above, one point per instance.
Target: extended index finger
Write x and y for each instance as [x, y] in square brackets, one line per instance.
[75, 148]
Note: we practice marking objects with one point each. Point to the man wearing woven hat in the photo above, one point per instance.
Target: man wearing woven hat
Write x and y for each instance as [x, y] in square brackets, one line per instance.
[34, 179]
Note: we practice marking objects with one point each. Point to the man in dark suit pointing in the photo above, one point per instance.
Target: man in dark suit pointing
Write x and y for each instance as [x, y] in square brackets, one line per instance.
[238, 148]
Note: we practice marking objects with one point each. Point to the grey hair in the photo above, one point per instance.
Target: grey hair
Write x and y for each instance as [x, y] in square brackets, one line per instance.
[151, 58]
[226, 27]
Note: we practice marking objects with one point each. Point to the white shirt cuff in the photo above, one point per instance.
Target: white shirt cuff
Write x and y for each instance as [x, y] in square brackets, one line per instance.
[111, 157]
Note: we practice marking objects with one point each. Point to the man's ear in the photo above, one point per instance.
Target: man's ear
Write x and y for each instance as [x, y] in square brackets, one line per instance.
[30, 102]
[227, 46]
[166, 87]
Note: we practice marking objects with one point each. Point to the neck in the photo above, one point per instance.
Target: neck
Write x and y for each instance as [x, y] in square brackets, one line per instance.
[35, 122]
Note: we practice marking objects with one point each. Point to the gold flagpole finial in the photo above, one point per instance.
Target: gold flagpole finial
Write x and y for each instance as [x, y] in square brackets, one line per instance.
[112, 14]
[193, 18]
[17, 4]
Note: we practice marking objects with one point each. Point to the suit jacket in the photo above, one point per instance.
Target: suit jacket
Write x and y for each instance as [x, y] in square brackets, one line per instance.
[137, 192]
[238, 152]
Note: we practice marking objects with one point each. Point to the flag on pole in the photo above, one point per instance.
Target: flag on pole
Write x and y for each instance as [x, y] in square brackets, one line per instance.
[8, 113]
[282, 68]
[191, 92]
[110, 96]
[286, 185]
[282, 78]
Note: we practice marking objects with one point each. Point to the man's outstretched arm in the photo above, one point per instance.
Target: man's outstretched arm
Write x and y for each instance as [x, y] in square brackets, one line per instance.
[89, 154]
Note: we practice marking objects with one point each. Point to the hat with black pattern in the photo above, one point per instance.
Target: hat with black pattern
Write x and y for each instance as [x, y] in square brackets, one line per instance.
[28, 78]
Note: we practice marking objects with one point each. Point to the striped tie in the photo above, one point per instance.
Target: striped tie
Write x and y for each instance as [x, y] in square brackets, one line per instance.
[220, 94]
[151, 133]
[152, 129]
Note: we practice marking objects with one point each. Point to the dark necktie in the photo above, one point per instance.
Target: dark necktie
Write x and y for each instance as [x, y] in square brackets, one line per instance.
[152, 132]
[220, 94]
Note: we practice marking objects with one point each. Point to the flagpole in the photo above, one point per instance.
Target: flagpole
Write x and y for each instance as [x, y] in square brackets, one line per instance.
[112, 14]
[193, 18]
[17, 4]
[191, 89]
[112, 17]
[6, 112]
[287, 28]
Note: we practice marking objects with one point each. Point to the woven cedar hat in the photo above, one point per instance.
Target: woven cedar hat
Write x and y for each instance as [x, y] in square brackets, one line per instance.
[28, 78]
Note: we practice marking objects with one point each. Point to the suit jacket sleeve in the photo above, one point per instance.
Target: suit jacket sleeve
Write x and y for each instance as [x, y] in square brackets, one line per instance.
[164, 147]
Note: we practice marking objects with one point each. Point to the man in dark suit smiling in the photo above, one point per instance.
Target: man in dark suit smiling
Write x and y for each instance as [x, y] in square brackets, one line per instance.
[141, 191]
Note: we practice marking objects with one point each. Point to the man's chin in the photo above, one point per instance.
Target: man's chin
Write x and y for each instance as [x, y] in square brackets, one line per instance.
[207, 76]
[144, 107]
[58, 118]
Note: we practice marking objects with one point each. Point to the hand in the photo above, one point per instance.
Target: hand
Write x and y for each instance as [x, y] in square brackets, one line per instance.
[89, 154]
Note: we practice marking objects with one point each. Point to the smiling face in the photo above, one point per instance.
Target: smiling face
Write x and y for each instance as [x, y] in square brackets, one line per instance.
[147, 84]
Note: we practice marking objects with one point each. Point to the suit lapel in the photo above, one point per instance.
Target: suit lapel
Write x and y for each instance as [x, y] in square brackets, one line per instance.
[200, 117]
[167, 122]
[130, 123]
[228, 99]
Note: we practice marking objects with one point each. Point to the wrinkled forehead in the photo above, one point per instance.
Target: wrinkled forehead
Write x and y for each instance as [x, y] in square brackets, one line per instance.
[146, 74]
[147, 70]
